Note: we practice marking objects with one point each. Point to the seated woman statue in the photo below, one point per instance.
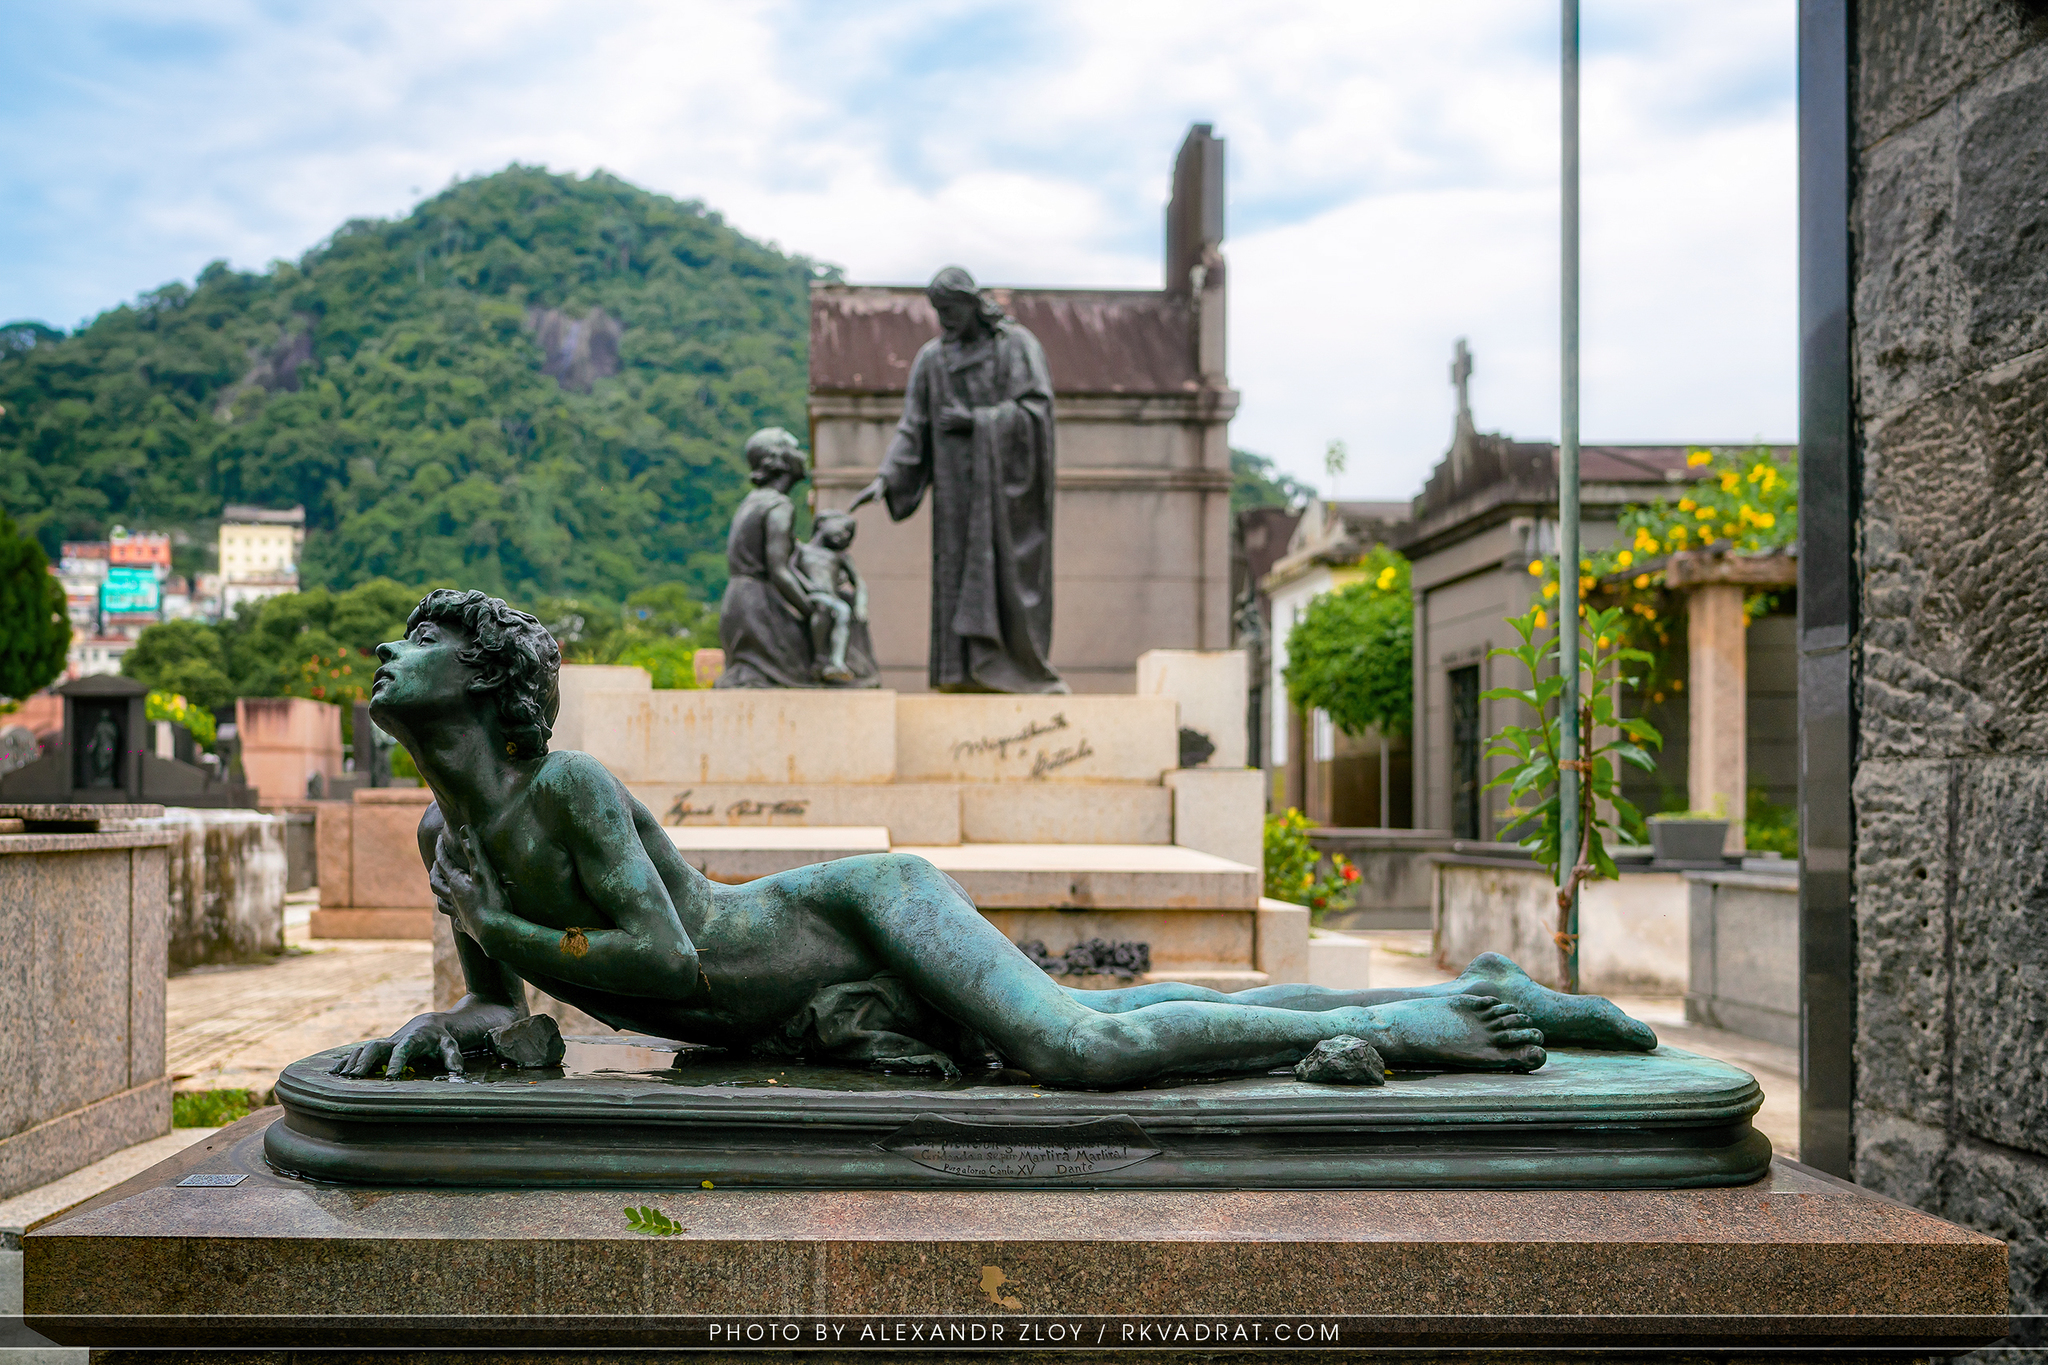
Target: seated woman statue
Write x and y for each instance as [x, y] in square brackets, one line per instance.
[555, 875]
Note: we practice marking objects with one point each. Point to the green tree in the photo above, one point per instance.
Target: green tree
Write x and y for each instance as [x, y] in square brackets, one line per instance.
[1255, 481]
[35, 630]
[1352, 653]
[183, 658]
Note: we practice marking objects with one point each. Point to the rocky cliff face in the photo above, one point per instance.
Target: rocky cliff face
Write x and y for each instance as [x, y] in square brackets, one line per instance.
[579, 351]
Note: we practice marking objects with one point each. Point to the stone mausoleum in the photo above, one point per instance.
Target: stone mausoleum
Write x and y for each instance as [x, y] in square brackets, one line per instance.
[1141, 538]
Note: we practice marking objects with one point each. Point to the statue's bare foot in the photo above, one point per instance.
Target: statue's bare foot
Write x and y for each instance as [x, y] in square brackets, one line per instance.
[1459, 1032]
[1566, 1020]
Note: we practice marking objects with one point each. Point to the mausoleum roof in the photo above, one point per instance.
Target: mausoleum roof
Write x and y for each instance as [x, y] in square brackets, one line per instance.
[1097, 341]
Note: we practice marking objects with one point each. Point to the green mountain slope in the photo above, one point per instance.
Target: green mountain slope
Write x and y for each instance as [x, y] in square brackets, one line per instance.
[532, 384]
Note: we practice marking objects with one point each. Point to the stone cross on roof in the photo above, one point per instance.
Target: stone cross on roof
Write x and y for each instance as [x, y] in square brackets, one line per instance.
[1461, 376]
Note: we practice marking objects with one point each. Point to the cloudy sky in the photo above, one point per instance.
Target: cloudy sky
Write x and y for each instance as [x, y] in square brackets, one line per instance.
[1393, 170]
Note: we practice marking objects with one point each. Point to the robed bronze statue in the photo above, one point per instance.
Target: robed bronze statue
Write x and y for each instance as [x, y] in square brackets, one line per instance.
[555, 875]
[977, 431]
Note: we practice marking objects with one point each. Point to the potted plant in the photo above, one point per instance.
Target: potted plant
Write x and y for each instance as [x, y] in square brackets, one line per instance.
[1689, 836]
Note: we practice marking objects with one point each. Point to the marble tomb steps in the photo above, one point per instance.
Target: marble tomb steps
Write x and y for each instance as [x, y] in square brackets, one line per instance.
[1199, 913]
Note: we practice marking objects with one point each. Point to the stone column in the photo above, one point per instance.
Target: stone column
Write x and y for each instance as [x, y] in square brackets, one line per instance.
[1720, 724]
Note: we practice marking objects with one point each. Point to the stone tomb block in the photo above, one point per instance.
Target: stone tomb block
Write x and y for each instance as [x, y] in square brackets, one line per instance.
[977, 738]
[84, 918]
[740, 735]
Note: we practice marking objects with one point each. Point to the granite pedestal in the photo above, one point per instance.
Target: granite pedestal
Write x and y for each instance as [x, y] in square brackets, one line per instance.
[181, 1257]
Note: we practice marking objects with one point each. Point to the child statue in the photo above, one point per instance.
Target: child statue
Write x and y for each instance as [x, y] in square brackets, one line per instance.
[554, 874]
[833, 588]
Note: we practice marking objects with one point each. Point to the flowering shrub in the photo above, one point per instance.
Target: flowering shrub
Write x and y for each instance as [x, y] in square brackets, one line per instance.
[175, 709]
[1352, 653]
[1292, 873]
[1743, 502]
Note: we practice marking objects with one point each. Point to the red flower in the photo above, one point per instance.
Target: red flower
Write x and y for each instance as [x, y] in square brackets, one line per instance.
[1350, 873]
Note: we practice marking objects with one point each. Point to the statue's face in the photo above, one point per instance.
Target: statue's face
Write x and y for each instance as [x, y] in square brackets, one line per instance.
[836, 535]
[420, 676]
[959, 315]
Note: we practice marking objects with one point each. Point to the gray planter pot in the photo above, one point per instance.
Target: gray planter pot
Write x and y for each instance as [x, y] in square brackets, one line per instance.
[1688, 841]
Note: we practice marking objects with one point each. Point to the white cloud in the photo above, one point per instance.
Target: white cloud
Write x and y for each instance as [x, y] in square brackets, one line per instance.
[1393, 170]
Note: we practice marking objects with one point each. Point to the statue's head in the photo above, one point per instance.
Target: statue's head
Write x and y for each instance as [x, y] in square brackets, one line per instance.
[773, 453]
[467, 657]
[834, 530]
[962, 308]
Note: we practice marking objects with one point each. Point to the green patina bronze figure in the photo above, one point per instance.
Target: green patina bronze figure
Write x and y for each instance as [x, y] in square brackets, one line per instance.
[555, 875]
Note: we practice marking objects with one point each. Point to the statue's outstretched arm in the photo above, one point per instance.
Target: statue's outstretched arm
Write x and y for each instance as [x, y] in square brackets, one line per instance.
[493, 995]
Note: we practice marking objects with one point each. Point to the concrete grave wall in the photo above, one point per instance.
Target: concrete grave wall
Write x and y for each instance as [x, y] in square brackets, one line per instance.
[284, 742]
[1744, 960]
[81, 1000]
[1633, 937]
[953, 738]
[228, 872]
[1949, 319]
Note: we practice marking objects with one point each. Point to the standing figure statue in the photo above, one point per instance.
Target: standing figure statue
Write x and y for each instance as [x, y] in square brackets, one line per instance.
[977, 430]
[554, 874]
[765, 621]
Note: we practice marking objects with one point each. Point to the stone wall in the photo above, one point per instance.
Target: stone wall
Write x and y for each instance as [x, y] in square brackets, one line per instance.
[1949, 223]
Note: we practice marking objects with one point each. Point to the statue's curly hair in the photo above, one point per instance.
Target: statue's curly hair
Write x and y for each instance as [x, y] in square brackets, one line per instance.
[517, 659]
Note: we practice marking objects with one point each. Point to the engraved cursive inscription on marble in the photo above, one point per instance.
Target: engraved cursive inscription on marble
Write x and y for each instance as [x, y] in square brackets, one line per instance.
[1024, 1151]
[1060, 758]
[1000, 745]
[683, 810]
[739, 810]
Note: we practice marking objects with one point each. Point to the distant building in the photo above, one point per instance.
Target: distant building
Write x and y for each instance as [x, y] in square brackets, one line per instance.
[259, 553]
[1141, 540]
[114, 587]
[141, 550]
[92, 655]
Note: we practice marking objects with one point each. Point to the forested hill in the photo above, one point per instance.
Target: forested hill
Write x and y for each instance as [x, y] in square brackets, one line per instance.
[532, 383]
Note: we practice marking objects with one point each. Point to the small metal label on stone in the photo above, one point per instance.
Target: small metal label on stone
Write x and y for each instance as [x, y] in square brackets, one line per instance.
[197, 1182]
[1024, 1151]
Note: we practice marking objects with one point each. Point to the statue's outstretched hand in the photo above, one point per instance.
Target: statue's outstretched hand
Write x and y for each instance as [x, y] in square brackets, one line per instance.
[872, 493]
[429, 1039]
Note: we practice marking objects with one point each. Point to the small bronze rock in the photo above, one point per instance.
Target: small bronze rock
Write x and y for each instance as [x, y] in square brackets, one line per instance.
[534, 1041]
[1342, 1060]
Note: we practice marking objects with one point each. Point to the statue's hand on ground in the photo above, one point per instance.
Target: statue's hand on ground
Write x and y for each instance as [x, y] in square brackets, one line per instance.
[433, 1041]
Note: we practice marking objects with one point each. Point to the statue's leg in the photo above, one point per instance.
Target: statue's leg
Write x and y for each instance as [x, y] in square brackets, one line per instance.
[842, 632]
[920, 923]
[1566, 1020]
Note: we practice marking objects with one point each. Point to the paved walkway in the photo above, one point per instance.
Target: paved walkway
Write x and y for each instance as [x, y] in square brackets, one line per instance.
[237, 1027]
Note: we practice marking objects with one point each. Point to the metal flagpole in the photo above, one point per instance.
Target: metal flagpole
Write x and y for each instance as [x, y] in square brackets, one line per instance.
[1568, 501]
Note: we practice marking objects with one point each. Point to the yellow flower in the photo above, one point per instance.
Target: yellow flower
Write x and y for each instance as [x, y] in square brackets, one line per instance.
[1728, 528]
[1678, 533]
[1766, 520]
[1549, 591]
[1757, 472]
[1542, 618]
[1585, 565]
[1624, 559]
[1603, 643]
[1387, 577]
[1649, 613]
[1729, 481]
[1656, 696]
[1642, 580]
[1696, 458]
[1686, 504]
[1535, 568]
[1705, 513]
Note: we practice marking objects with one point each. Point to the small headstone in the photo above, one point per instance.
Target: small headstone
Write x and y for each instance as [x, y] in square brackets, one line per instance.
[1342, 1061]
[534, 1041]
